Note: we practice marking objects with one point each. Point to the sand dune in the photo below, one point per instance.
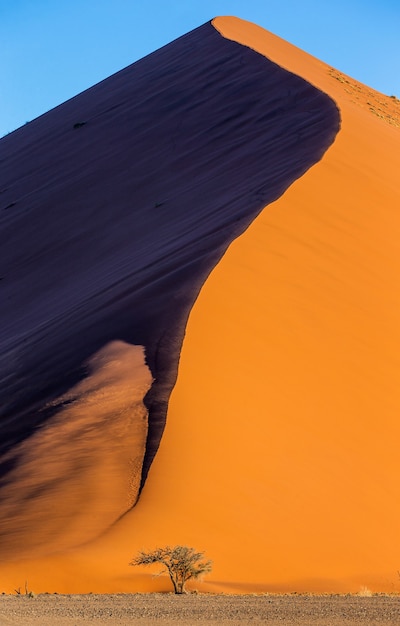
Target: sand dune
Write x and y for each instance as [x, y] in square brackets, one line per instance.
[279, 456]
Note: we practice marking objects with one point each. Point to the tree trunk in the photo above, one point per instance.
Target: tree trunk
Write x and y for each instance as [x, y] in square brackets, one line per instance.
[171, 575]
[181, 587]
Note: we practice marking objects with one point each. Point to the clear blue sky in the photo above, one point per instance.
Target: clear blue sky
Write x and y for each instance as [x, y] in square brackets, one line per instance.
[51, 50]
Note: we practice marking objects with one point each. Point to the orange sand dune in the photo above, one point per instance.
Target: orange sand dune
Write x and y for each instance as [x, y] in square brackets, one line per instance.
[279, 457]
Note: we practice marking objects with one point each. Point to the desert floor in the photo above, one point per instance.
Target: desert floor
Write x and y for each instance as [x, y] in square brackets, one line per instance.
[167, 609]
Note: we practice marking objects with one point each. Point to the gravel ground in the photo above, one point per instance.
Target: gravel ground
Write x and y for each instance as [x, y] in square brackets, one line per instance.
[200, 610]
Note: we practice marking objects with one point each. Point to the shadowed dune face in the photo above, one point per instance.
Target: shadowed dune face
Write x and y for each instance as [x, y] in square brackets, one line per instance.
[114, 209]
[82, 469]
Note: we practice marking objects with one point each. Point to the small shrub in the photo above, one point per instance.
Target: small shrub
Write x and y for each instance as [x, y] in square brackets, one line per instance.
[365, 592]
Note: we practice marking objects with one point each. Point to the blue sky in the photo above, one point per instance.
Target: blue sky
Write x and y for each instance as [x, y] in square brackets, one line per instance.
[51, 50]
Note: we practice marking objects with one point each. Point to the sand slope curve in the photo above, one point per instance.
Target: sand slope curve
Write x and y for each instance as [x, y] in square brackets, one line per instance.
[115, 207]
[288, 383]
[283, 425]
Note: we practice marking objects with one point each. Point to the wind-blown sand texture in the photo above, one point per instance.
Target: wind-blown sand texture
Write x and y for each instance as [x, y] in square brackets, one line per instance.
[280, 452]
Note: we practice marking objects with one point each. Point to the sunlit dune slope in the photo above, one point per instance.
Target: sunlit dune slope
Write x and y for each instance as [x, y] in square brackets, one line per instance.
[115, 207]
[280, 457]
[284, 423]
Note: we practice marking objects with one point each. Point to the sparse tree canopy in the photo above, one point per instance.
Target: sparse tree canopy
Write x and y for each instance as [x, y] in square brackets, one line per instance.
[181, 562]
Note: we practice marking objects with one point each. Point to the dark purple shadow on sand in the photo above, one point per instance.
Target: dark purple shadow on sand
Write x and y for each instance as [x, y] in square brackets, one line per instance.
[115, 207]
